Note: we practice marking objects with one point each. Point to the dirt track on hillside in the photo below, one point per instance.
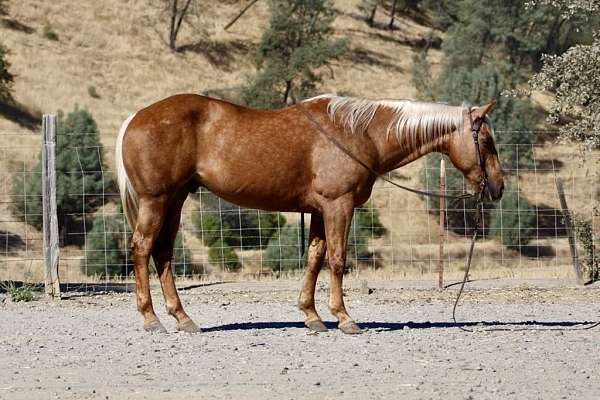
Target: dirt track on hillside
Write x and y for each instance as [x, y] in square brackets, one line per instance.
[254, 345]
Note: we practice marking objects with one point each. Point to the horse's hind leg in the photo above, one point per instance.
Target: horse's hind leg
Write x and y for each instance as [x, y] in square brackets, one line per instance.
[315, 256]
[149, 223]
[163, 259]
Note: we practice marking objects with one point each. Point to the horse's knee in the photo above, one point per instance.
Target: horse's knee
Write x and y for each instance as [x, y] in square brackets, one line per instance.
[337, 263]
[141, 246]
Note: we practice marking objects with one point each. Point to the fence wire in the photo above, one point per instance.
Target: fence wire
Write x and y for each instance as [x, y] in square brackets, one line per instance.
[394, 233]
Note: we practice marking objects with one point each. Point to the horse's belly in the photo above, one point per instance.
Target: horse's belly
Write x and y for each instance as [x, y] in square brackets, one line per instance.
[269, 191]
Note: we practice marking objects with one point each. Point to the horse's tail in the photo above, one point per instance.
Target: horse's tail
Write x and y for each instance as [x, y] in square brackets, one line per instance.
[129, 197]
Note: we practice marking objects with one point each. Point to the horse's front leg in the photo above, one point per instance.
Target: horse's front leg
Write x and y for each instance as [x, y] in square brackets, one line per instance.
[314, 261]
[338, 217]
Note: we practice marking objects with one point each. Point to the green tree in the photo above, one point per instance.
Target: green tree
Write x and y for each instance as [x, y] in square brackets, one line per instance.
[6, 78]
[297, 43]
[81, 183]
[513, 220]
[573, 75]
[220, 253]
[237, 227]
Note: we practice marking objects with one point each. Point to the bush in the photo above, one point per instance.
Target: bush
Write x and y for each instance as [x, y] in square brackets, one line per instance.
[235, 226]
[220, 253]
[106, 248]
[108, 254]
[460, 214]
[6, 78]
[284, 250]
[590, 259]
[513, 220]
[80, 181]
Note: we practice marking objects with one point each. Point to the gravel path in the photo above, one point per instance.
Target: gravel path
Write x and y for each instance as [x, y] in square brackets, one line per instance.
[254, 346]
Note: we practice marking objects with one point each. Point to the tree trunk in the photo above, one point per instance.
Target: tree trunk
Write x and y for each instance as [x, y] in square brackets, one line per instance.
[393, 14]
[176, 20]
[371, 19]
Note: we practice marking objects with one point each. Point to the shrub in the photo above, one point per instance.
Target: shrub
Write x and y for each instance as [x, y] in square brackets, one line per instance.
[80, 181]
[108, 254]
[284, 250]
[220, 253]
[6, 78]
[590, 259]
[235, 226]
[49, 33]
[460, 214]
[513, 220]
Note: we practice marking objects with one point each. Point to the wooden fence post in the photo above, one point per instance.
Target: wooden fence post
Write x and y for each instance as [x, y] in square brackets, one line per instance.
[442, 223]
[569, 228]
[50, 219]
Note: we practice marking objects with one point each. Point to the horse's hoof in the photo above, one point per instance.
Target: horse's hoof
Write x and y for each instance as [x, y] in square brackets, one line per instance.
[350, 328]
[188, 326]
[316, 325]
[154, 326]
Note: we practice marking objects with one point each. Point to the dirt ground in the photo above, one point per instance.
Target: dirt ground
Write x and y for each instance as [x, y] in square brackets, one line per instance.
[254, 346]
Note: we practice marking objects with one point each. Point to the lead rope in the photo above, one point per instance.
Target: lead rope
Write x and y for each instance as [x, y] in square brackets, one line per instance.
[475, 127]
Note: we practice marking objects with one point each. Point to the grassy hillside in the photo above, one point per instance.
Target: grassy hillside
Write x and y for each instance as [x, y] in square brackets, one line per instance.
[119, 49]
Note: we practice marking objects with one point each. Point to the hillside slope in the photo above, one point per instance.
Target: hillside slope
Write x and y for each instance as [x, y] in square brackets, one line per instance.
[118, 48]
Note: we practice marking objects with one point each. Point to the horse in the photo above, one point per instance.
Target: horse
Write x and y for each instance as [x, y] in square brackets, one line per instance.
[278, 160]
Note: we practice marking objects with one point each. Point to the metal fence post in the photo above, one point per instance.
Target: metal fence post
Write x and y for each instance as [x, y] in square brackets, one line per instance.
[569, 228]
[50, 219]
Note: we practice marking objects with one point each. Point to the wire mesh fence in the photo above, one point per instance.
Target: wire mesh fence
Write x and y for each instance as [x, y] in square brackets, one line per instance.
[394, 233]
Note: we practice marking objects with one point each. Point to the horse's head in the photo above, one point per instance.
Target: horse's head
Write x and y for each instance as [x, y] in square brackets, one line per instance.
[464, 155]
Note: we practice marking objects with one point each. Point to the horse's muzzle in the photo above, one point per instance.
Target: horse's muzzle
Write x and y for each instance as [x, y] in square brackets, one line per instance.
[494, 191]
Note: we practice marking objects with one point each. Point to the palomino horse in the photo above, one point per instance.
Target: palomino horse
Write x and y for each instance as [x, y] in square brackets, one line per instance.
[278, 160]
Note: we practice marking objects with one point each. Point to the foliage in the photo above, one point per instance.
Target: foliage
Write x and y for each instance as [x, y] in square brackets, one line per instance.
[513, 220]
[23, 292]
[107, 250]
[222, 254]
[297, 43]
[590, 258]
[80, 181]
[3, 7]
[6, 78]
[238, 227]
[284, 251]
[49, 33]
[459, 213]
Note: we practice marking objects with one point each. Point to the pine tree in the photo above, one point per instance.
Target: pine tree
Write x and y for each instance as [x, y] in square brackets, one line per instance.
[80, 179]
[297, 43]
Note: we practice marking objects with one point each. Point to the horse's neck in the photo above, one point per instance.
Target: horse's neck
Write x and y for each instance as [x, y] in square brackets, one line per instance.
[394, 153]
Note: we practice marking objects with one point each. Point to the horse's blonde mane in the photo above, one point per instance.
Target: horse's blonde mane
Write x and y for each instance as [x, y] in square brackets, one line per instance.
[414, 123]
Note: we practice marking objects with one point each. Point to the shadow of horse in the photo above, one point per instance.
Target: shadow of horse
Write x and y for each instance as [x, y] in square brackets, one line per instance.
[398, 326]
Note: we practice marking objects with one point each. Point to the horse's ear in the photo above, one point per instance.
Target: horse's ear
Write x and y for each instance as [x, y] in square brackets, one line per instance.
[482, 111]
